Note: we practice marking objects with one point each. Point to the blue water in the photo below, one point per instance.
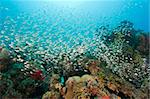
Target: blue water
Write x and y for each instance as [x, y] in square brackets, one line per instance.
[82, 13]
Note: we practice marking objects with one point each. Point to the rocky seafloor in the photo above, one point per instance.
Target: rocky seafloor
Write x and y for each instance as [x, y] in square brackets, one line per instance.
[115, 66]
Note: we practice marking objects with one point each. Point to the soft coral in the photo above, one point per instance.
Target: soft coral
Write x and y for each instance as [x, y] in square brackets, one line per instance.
[37, 75]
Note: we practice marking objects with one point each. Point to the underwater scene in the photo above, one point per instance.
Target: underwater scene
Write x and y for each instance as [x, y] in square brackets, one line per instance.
[74, 49]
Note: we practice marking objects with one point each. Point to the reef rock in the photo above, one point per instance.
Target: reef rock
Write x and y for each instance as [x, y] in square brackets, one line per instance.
[4, 58]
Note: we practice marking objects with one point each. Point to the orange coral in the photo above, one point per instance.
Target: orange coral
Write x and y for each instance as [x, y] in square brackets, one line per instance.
[70, 85]
[84, 87]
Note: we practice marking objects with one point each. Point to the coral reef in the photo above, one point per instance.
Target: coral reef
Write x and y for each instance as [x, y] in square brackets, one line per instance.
[99, 86]
[121, 53]
[114, 64]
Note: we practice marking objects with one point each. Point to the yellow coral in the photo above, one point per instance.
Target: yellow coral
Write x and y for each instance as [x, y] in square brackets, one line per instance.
[47, 95]
[51, 95]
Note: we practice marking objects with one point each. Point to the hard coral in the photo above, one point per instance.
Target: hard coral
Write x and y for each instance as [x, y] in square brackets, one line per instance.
[54, 88]
[53, 81]
[84, 86]
[51, 95]
[70, 85]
